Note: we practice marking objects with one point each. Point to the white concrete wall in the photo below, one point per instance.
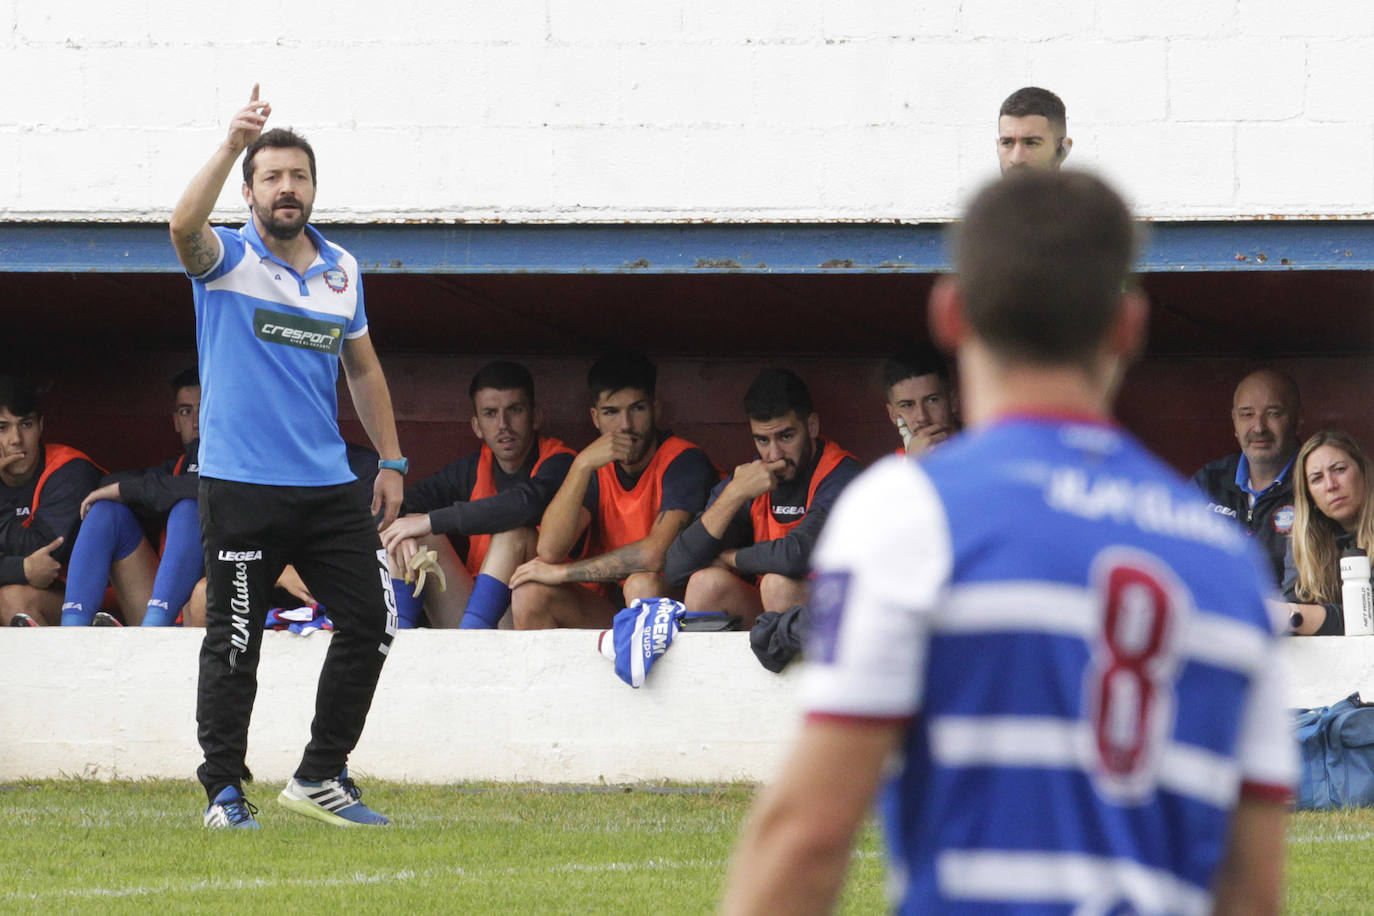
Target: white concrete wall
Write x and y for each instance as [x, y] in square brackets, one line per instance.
[574, 110]
[452, 706]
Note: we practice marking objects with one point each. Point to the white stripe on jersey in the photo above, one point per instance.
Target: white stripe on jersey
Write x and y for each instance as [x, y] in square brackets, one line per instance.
[254, 277]
[1029, 606]
[1021, 741]
[1094, 883]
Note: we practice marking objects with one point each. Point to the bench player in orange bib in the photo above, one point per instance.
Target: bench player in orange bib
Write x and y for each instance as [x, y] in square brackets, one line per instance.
[749, 551]
[493, 497]
[628, 494]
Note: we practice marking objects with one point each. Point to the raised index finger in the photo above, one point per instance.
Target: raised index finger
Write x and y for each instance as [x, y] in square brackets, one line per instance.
[254, 96]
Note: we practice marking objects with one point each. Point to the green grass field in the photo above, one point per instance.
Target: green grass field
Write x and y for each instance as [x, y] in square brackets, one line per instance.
[79, 847]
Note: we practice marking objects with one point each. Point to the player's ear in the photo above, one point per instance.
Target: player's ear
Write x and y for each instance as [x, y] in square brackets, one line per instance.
[813, 425]
[1062, 152]
[248, 194]
[945, 314]
[1130, 328]
[536, 418]
[476, 430]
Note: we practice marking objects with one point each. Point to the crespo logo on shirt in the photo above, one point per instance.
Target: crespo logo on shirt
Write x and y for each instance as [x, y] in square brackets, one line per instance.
[298, 331]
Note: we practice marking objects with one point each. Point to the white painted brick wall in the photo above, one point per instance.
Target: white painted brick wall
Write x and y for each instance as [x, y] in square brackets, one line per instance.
[571, 111]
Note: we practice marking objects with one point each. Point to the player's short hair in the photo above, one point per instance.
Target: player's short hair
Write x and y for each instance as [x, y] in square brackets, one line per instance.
[186, 378]
[503, 375]
[1032, 100]
[621, 369]
[19, 396]
[1042, 259]
[774, 392]
[914, 362]
[277, 138]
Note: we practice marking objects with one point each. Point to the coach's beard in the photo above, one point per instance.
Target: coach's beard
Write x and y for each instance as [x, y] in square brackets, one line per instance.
[285, 228]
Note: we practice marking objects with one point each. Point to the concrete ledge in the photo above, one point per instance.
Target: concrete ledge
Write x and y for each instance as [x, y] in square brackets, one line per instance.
[451, 705]
[1324, 669]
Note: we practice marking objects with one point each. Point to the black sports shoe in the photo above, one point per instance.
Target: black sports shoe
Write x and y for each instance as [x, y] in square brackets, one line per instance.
[23, 620]
[103, 619]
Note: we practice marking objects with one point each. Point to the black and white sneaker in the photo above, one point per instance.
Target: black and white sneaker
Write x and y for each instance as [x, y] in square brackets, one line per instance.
[335, 801]
[23, 620]
[105, 619]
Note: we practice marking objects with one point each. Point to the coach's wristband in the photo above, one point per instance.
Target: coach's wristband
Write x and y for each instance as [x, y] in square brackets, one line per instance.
[400, 465]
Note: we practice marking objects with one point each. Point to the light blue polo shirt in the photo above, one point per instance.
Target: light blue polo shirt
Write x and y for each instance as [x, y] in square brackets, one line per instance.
[269, 342]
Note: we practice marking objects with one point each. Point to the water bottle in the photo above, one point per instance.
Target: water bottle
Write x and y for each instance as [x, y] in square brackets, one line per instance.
[1356, 594]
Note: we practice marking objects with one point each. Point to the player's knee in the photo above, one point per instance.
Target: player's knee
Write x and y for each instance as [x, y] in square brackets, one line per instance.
[194, 613]
[645, 585]
[510, 547]
[531, 606]
[707, 587]
[779, 593]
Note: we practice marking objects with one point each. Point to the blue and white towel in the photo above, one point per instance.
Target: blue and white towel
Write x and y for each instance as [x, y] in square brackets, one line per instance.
[640, 635]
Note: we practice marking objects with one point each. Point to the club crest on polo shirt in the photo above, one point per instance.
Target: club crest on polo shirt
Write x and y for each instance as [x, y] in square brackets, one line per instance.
[336, 279]
[1283, 519]
[298, 331]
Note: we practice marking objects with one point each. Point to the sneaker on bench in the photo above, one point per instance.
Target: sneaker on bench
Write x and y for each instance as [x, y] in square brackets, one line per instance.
[23, 620]
[335, 801]
[105, 619]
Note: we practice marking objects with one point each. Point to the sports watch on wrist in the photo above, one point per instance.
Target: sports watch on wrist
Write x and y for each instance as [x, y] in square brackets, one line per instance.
[400, 465]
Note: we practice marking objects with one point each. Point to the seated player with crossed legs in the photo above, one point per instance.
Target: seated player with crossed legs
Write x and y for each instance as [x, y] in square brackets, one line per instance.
[631, 491]
[494, 497]
[749, 551]
[113, 546]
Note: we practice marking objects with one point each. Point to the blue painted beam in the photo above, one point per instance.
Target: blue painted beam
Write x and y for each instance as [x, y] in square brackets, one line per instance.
[793, 248]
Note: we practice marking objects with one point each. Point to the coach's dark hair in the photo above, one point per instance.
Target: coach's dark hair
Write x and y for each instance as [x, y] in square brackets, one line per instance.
[1042, 259]
[277, 138]
[1032, 100]
[19, 396]
[914, 362]
[503, 375]
[186, 378]
[621, 369]
[775, 392]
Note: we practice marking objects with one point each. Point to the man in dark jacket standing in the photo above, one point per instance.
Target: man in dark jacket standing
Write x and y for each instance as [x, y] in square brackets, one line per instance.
[1255, 485]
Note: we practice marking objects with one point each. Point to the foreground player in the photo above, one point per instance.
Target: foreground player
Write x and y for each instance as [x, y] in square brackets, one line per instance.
[278, 308]
[1067, 654]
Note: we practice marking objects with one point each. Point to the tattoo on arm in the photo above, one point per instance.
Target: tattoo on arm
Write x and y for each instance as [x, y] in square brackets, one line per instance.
[201, 253]
[609, 567]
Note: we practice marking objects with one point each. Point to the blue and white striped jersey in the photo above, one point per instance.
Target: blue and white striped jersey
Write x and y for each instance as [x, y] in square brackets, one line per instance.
[1085, 660]
[269, 342]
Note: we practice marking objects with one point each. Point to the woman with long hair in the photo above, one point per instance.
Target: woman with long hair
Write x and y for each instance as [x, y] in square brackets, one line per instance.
[1333, 512]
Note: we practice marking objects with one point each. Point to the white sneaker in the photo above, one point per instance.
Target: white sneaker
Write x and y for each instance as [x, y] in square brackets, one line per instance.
[334, 801]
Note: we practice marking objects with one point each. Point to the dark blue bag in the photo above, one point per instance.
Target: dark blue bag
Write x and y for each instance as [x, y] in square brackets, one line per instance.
[1337, 745]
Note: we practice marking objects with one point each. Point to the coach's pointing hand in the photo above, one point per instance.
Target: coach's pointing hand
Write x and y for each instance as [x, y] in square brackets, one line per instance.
[248, 122]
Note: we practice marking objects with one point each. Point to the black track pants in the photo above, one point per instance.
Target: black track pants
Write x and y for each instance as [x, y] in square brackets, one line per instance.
[250, 532]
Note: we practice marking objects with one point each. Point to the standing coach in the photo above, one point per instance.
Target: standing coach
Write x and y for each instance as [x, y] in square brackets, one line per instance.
[278, 308]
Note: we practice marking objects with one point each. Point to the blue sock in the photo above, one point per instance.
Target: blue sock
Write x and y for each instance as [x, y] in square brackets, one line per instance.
[488, 602]
[181, 566]
[408, 607]
[108, 533]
